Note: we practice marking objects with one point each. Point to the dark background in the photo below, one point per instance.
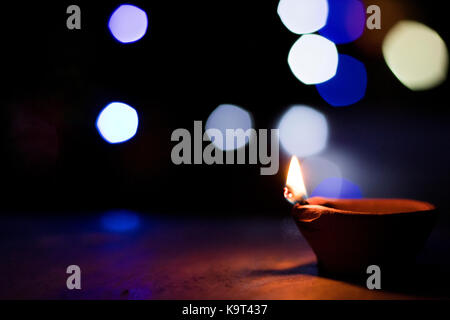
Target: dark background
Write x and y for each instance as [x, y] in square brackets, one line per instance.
[195, 56]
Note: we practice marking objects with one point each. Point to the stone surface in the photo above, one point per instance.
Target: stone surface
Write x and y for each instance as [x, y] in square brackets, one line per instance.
[182, 259]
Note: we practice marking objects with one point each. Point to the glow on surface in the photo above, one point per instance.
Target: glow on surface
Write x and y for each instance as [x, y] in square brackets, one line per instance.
[346, 21]
[349, 84]
[229, 116]
[120, 221]
[303, 131]
[303, 16]
[416, 55]
[117, 122]
[338, 188]
[295, 185]
[313, 59]
[128, 23]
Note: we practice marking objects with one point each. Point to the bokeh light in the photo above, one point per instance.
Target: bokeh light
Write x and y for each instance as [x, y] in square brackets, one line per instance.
[128, 23]
[416, 55]
[229, 116]
[316, 169]
[303, 131]
[390, 13]
[117, 122]
[303, 16]
[313, 59]
[120, 221]
[346, 21]
[349, 84]
[339, 188]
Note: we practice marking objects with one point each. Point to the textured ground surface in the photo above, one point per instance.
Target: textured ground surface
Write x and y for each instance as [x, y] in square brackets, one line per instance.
[181, 259]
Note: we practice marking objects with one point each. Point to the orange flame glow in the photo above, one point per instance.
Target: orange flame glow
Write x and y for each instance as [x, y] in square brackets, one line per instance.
[295, 189]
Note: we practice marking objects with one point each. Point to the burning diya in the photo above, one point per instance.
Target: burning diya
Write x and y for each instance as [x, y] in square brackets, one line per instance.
[348, 235]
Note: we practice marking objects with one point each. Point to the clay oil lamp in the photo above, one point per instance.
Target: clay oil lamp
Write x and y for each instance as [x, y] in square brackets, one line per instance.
[348, 235]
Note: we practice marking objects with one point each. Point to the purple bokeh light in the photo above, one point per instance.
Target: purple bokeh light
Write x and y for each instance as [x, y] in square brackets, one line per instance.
[128, 23]
[346, 21]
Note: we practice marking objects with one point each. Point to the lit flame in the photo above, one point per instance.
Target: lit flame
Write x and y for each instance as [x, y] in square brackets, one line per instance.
[295, 190]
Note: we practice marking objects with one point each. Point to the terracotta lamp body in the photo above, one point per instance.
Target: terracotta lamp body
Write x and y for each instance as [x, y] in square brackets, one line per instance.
[349, 235]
